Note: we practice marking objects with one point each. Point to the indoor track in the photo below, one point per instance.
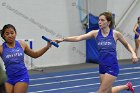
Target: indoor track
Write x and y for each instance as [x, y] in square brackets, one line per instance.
[81, 81]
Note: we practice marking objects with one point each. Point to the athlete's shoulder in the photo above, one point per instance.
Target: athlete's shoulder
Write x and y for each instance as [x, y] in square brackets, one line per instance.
[22, 43]
[116, 32]
[95, 32]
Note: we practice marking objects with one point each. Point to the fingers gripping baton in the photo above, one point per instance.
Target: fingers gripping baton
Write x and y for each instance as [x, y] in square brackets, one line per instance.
[49, 40]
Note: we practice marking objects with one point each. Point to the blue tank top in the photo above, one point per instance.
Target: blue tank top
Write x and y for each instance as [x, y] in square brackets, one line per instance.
[107, 49]
[13, 60]
[138, 29]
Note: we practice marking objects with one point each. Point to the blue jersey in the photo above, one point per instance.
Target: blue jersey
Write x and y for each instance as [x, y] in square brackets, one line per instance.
[107, 49]
[13, 60]
[138, 30]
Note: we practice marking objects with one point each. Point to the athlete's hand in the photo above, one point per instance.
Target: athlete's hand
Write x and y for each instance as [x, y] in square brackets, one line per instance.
[134, 58]
[58, 40]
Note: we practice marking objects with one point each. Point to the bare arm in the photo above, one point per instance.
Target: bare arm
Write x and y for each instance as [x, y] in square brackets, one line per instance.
[34, 54]
[1, 49]
[91, 34]
[127, 46]
[135, 28]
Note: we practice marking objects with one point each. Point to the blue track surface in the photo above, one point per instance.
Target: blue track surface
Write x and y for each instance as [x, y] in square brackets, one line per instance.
[81, 81]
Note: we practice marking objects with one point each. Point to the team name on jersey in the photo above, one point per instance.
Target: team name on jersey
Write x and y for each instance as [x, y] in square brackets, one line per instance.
[14, 55]
[104, 43]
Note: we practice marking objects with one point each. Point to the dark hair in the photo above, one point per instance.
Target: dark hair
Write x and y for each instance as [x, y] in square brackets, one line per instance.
[6, 27]
[138, 19]
[109, 17]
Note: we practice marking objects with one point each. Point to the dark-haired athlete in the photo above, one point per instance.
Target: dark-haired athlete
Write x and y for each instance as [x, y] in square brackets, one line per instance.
[12, 53]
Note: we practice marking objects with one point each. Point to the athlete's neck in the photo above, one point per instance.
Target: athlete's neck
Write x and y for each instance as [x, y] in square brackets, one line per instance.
[11, 45]
[105, 31]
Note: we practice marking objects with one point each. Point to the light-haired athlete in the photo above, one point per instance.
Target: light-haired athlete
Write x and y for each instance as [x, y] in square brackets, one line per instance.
[106, 39]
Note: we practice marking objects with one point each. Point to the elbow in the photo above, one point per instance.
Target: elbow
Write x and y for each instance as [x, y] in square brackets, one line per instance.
[36, 55]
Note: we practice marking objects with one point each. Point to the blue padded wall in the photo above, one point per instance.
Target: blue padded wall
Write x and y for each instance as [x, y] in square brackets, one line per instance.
[91, 46]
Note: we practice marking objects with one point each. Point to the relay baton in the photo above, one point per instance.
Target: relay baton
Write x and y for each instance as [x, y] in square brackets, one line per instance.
[49, 40]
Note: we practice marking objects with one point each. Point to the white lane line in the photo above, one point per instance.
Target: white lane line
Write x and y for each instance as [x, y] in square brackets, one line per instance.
[79, 74]
[136, 86]
[130, 68]
[64, 88]
[79, 86]
[128, 79]
[64, 81]
[64, 76]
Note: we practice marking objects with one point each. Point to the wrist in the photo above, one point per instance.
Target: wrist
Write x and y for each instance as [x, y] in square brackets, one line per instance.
[63, 39]
[48, 47]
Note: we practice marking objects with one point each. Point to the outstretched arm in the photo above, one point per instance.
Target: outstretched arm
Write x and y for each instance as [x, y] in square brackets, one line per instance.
[34, 54]
[127, 46]
[77, 38]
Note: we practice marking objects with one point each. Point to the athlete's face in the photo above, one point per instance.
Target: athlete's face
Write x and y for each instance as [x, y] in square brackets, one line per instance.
[9, 35]
[103, 23]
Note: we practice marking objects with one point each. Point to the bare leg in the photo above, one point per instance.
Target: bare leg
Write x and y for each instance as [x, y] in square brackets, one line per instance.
[107, 80]
[128, 86]
[9, 88]
[106, 83]
[101, 78]
[137, 41]
[20, 87]
[117, 89]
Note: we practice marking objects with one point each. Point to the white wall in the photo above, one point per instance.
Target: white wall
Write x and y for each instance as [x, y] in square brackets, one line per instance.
[55, 19]
[97, 6]
[127, 12]
[51, 18]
